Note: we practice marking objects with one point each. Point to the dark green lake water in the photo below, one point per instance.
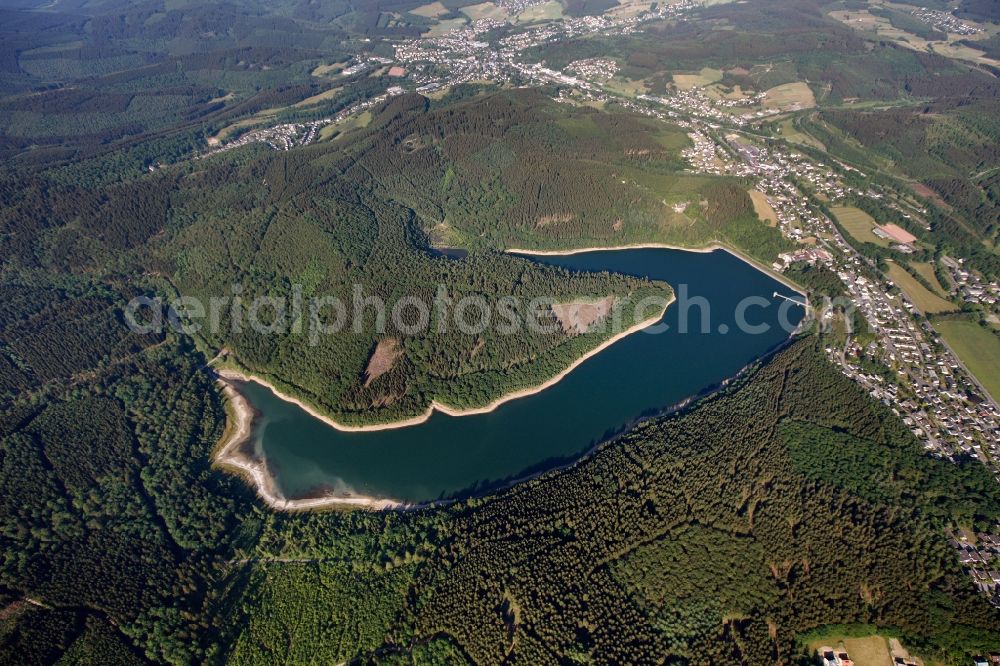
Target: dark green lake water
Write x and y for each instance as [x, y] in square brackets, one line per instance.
[641, 374]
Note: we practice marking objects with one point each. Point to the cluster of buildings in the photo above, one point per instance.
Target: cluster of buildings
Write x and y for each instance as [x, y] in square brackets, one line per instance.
[923, 382]
[364, 64]
[809, 255]
[945, 22]
[928, 391]
[980, 557]
[926, 386]
[515, 7]
[703, 154]
[780, 176]
[992, 660]
[594, 68]
[745, 100]
[288, 135]
[279, 137]
[539, 73]
[463, 55]
[458, 57]
[696, 101]
[828, 656]
[969, 286]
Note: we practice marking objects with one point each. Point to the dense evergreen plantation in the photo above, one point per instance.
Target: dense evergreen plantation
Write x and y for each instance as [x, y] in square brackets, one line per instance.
[730, 531]
[113, 524]
[719, 533]
[509, 169]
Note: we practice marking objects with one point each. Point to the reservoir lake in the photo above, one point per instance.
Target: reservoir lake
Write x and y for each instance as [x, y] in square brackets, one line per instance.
[461, 456]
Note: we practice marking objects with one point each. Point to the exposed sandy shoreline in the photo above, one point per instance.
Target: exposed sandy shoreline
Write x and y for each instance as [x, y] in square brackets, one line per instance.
[228, 455]
[228, 452]
[712, 247]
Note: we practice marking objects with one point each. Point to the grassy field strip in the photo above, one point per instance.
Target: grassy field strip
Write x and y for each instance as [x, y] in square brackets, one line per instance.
[316, 99]
[926, 271]
[328, 70]
[485, 10]
[858, 223]
[978, 348]
[430, 10]
[705, 77]
[864, 21]
[925, 300]
[792, 133]
[867, 651]
[548, 11]
[790, 95]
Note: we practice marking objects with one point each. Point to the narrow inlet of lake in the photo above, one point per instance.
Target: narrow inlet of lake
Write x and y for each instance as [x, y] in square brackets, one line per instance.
[644, 373]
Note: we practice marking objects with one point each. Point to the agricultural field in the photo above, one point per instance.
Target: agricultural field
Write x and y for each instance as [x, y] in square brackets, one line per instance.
[430, 10]
[269, 114]
[547, 11]
[706, 77]
[896, 25]
[926, 301]
[485, 10]
[865, 644]
[788, 131]
[864, 651]
[339, 129]
[977, 346]
[858, 223]
[630, 7]
[223, 134]
[444, 27]
[793, 96]
[317, 98]
[629, 87]
[328, 70]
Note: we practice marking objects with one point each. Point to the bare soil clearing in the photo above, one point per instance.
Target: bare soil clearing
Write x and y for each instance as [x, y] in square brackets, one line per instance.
[580, 316]
[763, 208]
[382, 359]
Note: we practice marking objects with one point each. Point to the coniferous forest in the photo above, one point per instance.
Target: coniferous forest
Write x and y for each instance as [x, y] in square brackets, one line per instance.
[718, 533]
[787, 504]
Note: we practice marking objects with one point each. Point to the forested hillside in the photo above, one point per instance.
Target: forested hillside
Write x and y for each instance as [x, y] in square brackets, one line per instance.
[787, 502]
[154, 79]
[716, 535]
[112, 521]
[885, 106]
[949, 146]
[509, 169]
[515, 169]
[720, 533]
